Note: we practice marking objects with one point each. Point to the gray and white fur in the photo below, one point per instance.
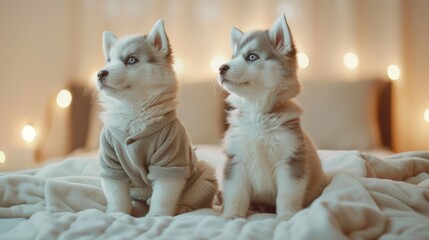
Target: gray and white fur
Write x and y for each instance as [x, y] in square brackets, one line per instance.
[271, 159]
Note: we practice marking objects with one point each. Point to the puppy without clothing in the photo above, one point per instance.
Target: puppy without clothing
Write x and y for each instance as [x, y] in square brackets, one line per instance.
[271, 160]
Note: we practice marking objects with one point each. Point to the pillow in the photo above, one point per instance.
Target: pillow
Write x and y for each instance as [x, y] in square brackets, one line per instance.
[341, 115]
[94, 126]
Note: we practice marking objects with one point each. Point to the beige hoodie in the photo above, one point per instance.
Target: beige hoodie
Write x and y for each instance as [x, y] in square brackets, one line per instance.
[162, 150]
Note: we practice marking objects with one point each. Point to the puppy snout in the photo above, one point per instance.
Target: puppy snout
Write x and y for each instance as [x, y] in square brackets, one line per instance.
[223, 68]
[101, 75]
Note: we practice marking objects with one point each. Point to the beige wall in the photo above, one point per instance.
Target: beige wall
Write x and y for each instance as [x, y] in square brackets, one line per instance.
[34, 65]
[47, 43]
[412, 90]
[199, 30]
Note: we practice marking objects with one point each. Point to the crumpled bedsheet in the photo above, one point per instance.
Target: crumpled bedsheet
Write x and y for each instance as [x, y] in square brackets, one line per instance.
[368, 198]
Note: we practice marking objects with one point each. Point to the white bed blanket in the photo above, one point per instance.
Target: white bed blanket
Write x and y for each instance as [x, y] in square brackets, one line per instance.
[368, 198]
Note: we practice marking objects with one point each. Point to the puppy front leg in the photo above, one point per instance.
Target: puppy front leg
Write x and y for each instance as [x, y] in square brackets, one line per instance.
[165, 196]
[236, 195]
[117, 195]
[290, 192]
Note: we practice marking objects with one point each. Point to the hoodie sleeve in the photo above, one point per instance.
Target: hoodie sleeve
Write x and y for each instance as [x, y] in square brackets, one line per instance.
[174, 158]
[109, 163]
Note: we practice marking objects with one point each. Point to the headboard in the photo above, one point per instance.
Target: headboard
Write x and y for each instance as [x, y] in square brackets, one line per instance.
[338, 115]
[343, 115]
[80, 115]
[384, 113]
[199, 109]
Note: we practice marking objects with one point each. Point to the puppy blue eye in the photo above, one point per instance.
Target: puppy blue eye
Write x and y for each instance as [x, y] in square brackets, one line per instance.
[132, 60]
[252, 57]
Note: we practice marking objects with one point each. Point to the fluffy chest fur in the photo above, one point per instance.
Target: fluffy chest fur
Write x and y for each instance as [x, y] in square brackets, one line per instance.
[258, 142]
[135, 118]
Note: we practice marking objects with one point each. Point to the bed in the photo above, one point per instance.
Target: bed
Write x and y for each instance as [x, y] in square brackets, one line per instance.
[374, 193]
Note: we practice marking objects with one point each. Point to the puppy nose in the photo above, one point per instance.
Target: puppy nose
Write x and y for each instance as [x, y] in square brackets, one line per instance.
[101, 75]
[223, 68]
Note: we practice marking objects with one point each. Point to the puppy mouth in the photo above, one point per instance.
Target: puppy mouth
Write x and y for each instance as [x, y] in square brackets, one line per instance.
[108, 87]
[227, 81]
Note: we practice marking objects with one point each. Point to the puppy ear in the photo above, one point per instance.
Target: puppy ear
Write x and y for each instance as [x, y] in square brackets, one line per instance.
[109, 40]
[158, 38]
[280, 35]
[236, 35]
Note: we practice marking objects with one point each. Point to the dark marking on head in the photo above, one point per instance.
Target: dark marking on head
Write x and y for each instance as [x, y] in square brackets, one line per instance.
[152, 56]
[264, 44]
[152, 59]
[248, 38]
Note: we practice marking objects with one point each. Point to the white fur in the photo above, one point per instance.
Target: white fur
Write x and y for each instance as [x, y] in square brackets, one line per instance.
[158, 38]
[117, 195]
[133, 90]
[280, 35]
[134, 96]
[165, 196]
[259, 141]
[236, 35]
[261, 144]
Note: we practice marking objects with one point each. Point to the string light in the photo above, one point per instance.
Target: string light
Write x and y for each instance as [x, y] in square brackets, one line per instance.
[178, 66]
[351, 61]
[426, 115]
[64, 98]
[2, 157]
[216, 62]
[302, 60]
[28, 133]
[393, 72]
[93, 78]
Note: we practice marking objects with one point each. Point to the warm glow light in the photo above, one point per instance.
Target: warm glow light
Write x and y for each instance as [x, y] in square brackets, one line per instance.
[351, 60]
[178, 66]
[28, 133]
[93, 78]
[64, 98]
[393, 72]
[2, 157]
[426, 115]
[302, 60]
[216, 62]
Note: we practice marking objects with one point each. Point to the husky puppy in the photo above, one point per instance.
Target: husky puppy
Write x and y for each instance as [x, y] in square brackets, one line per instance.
[271, 160]
[147, 159]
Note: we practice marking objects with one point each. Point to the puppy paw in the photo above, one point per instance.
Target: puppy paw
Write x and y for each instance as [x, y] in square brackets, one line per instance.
[160, 213]
[233, 216]
[183, 209]
[116, 210]
[154, 215]
[285, 216]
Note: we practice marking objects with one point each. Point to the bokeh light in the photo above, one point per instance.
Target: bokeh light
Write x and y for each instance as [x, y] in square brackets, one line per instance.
[216, 62]
[2, 157]
[28, 133]
[178, 66]
[393, 72]
[426, 115]
[64, 98]
[303, 60]
[351, 60]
